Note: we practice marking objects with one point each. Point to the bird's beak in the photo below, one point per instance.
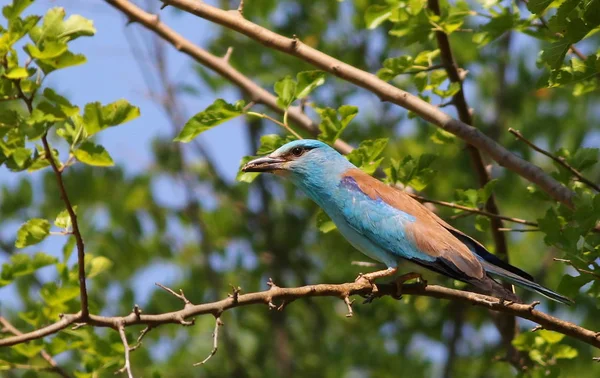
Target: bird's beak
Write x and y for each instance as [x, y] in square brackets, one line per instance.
[264, 164]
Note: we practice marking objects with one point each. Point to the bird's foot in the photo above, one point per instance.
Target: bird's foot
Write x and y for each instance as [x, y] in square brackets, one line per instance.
[407, 277]
[371, 277]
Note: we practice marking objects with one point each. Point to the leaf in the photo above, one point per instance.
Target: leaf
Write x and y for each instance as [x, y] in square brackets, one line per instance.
[334, 122]
[53, 295]
[93, 154]
[55, 28]
[67, 59]
[32, 232]
[286, 90]
[324, 223]
[565, 352]
[308, 81]
[377, 14]
[17, 73]
[551, 337]
[554, 55]
[247, 177]
[366, 155]
[441, 136]
[271, 142]
[97, 265]
[51, 49]
[538, 6]
[217, 113]
[63, 219]
[97, 117]
[13, 11]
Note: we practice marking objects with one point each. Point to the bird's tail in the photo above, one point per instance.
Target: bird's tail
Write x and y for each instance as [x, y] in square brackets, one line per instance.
[498, 272]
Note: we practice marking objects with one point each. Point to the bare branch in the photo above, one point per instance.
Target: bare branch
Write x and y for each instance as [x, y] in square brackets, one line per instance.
[472, 210]
[360, 287]
[256, 93]
[127, 366]
[384, 90]
[218, 323]
[559, 159]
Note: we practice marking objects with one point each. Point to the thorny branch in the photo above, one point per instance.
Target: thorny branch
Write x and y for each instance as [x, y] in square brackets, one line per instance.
[127, 366]
[275, 294]
[218, 323]
[559, 159]
[384, 90]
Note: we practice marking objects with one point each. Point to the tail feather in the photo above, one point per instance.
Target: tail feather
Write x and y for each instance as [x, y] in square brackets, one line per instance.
[515, 279]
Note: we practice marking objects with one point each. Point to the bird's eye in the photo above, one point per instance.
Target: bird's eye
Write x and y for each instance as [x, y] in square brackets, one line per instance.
[297, 151]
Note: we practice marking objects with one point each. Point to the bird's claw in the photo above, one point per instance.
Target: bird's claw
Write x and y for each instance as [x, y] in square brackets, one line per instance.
[407, 277]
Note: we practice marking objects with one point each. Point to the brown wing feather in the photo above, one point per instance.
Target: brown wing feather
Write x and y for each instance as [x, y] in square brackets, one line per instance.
[429, 232]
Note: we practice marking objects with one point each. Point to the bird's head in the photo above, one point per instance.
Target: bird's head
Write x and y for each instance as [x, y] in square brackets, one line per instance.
[300, 159]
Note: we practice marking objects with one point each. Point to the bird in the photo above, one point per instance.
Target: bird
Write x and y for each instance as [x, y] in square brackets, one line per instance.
[388, 225]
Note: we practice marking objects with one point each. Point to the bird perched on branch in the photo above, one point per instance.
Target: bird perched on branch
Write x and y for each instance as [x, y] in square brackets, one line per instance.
[388, 225]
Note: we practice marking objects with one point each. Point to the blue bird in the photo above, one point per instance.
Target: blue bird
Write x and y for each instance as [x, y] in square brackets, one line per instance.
[388, 225]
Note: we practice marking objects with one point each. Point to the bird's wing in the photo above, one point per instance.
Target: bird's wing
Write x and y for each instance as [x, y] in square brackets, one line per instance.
[410, 226]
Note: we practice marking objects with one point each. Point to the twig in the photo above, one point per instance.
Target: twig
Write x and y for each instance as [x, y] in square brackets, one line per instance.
[63, 195]
[472, 210]
[559, 159]
[519, 229]
[384, 90]
[580, 270]
[282, 124]
[127, 366]
[218, 323]
[45, 355]
[218, 64]
[361, 287]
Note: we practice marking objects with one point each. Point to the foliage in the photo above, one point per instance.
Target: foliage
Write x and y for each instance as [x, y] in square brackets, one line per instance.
[523, 72]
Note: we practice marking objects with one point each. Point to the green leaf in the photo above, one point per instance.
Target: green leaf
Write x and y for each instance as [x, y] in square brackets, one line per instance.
[32, 232]
[56, 28]
[366, 155]
[53, 295]
[554, 55]
[308, 81]
[324, 223]
[377, 14]
[538, 6]
[93, 154]
[565, 352]
[334, 122]
[97, 117]
[441, 136]
[97, 265]
[217, 113]
[247, 177]
[551, 337]
[17, 73]
[13, 11]
[271, 142]
[51, 49]
[63, 219]
[67, 59]
[286, 90]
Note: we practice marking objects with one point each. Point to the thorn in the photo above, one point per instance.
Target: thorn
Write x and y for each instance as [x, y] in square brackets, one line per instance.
[77, 326]
[271, 284]
[186, 323]
[228, 54]
[349, 303]
[271, 304]
[294, 41]
[597, 335]
[164, 6]
[181, 296]
[536, 328]
[241, 8]
[597, 359]
[533, 305]
[235, 293]
[137, 311]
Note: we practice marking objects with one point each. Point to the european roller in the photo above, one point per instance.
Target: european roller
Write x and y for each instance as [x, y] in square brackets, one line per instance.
[388, 225]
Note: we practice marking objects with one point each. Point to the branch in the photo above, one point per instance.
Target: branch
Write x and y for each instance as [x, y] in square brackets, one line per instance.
[63, 195]
[472, 210]
[559, 159]
[384, 90]
[127, 366]
[45, 355]
[341, 291]
[221, 66]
